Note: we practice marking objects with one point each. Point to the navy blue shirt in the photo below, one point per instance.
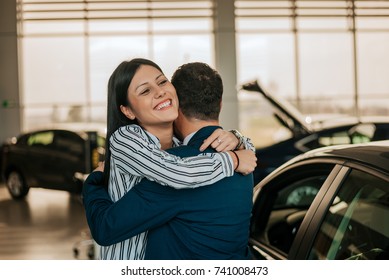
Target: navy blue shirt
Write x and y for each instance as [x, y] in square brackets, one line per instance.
[210, 222]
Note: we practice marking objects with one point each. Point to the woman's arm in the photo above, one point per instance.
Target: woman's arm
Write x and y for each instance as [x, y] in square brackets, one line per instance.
[132, 152]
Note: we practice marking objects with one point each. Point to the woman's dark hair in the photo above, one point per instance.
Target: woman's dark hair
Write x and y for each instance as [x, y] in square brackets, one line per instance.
[118, 85]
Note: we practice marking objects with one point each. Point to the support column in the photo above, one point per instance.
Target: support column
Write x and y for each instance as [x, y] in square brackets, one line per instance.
[225, 60]
[10, 111]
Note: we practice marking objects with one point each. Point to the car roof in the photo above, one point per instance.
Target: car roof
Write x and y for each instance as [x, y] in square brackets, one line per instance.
[374, 153]
[75, 127]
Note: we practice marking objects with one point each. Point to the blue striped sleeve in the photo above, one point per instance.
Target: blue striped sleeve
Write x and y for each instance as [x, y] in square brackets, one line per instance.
[248, 144]
[133, 154]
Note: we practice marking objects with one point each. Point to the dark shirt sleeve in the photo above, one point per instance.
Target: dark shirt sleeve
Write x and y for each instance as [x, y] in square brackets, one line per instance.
[144, 207]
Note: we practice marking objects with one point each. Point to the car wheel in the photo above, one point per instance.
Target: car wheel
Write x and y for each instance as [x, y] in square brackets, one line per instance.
[16, 185]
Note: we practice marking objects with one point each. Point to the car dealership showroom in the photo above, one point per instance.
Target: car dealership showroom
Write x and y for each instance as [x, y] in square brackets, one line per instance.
[306, 82]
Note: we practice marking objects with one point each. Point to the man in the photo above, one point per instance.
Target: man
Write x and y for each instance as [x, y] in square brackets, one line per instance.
[210, 222]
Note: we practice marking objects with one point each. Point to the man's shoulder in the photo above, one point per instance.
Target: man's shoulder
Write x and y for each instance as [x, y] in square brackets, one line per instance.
[184, 151]
[146, 186]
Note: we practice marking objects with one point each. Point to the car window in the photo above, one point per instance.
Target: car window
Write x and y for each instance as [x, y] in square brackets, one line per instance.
[299, 194]
[289, 211]
[285, 203]
[69, 142]
[356, 225]
[100, 141]
[325, 139]
[362, 133]
[336, 138]
[41, 139]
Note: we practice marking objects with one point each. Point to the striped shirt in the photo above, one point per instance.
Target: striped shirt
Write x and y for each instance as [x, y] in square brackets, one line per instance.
[137, 154]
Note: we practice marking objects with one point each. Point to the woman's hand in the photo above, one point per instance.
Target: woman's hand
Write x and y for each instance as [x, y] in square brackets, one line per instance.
[246, 162]
[221, 140]
[100, 167]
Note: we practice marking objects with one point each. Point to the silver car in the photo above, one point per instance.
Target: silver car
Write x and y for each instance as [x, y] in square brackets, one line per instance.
[328, 204]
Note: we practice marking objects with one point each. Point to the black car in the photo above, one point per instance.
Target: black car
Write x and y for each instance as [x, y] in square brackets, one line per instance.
[331, 203]
[51, 158]
[307, 134]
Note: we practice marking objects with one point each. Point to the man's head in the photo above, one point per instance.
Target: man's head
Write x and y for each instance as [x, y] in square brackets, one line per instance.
[199, 89]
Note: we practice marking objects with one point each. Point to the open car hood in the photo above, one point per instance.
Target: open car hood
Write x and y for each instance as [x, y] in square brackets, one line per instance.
[285, 112]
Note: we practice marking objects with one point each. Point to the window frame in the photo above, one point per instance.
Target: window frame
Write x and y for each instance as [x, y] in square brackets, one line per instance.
[303, 243]
[264, 191]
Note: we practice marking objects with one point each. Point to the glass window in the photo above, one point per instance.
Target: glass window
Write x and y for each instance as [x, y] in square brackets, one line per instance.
[268, 58]
[326, 65]
[372, 23]
[285, 203]
[53, 76]
[289, 211]
[362, 133]
[373, 65]
[336, 138]
[300, 193]
[41, 139]
[171, 51]
[115, 26]
[52, 70]
[187, 25]
[55, 27]
[70, 49]
[326, 71]
[356, 225]
[69, 143]
[258, 122]
[265, 24]
[330, 23]
[106, 52]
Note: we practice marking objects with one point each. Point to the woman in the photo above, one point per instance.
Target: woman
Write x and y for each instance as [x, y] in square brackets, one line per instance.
[142, 106]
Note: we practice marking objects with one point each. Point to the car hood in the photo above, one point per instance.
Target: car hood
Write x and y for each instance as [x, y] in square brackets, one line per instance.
[286, 113]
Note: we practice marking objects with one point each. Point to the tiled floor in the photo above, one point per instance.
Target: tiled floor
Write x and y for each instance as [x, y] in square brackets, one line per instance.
[47, 225]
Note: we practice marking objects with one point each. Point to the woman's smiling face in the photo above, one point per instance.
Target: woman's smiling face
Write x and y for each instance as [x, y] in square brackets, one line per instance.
[152, 98]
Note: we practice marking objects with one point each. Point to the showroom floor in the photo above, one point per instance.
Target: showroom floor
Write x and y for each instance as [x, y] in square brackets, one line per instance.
[47, 225]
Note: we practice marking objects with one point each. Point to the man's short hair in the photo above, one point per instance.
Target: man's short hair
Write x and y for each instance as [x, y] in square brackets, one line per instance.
[199, 89]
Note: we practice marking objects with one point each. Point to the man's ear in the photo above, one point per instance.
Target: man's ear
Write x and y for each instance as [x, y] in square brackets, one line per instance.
[127, 112]
[180, 113]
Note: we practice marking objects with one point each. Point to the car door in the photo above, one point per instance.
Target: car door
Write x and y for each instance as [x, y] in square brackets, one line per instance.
[38, 162]
[69, 158]
[282, 203]
[352, 221]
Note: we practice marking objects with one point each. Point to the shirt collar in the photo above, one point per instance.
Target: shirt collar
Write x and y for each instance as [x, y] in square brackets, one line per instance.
[154, 139]
[188, 138]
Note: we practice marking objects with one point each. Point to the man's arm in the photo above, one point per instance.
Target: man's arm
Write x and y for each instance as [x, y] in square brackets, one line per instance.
[145, 206]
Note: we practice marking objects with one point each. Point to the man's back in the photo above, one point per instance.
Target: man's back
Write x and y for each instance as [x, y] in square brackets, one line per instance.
[212, 222]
